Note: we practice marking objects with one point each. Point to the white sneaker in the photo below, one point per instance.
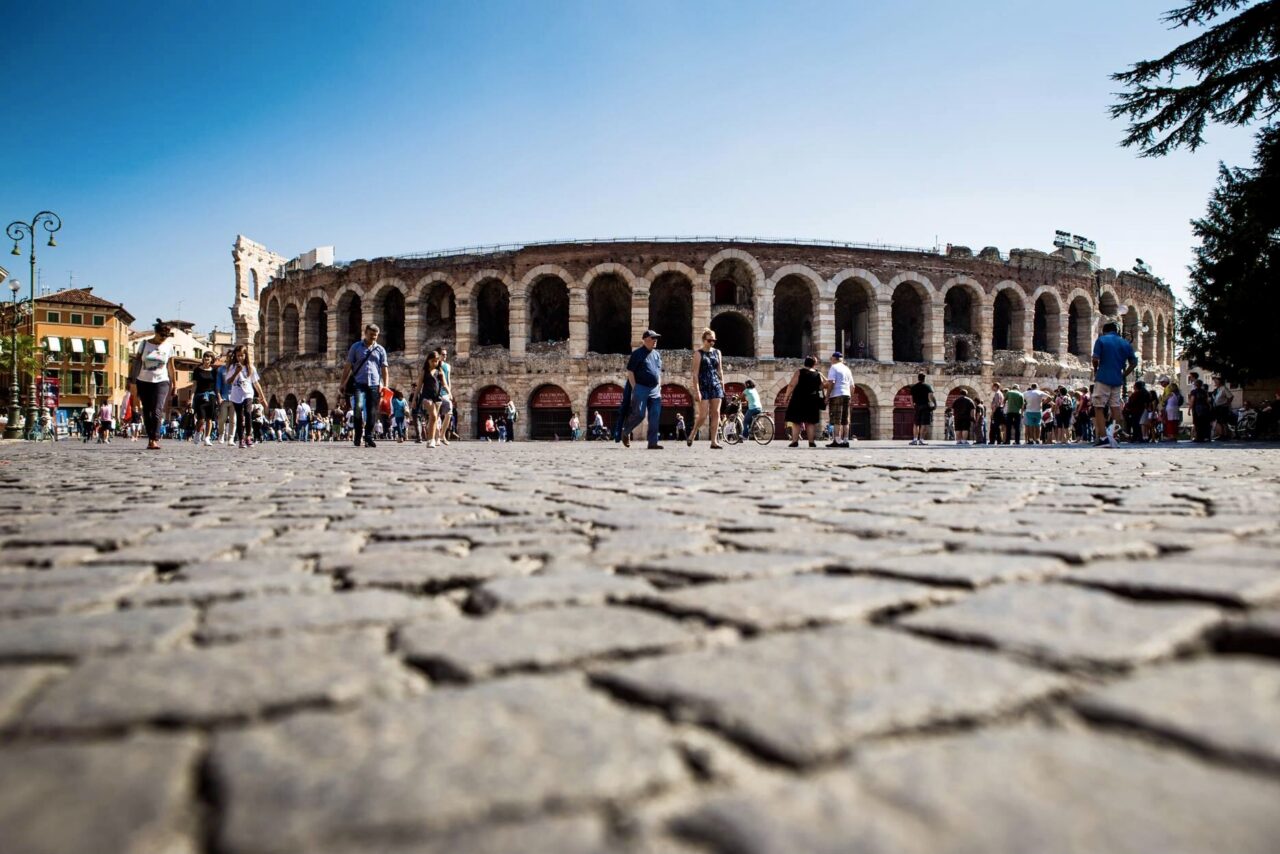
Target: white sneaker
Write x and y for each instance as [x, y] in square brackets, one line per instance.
[431, 444]
[1111, 435]
[208, 440]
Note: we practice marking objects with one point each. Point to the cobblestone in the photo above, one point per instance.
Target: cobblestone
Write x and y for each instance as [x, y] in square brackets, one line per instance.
[573, 648]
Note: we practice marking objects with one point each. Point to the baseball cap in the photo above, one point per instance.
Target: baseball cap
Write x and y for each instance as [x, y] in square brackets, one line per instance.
[649, 333]
[837, 355]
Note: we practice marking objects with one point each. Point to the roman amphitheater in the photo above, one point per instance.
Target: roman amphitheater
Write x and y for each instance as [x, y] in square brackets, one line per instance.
[547, 325]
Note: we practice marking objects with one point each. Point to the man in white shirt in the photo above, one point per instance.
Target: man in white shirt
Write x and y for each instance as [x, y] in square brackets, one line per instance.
[303, 419]
[1034, 399]
[839, 386]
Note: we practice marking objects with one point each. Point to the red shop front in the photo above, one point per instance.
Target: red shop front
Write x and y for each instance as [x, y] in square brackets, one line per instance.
[491, 401]
[549, 412]
[904, 414]
[605, 399]
[676, 400]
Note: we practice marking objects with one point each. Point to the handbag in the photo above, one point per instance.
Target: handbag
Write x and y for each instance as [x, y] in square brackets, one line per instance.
[350, 388]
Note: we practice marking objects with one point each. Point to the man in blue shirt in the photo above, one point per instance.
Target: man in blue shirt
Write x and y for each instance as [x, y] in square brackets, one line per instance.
[367, 368]
[644, 373]
[1113, 359]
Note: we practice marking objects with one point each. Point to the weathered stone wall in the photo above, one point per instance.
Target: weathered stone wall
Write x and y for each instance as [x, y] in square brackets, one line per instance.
[811, 278]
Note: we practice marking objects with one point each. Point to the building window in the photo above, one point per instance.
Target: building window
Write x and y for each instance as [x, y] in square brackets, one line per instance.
[76, 319]
[53, 316]
[99, 320]
[51, 374]
[77, 383]
[100, 382]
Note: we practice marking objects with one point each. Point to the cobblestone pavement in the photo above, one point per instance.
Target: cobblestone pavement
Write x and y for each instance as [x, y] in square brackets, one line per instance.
[570, 649]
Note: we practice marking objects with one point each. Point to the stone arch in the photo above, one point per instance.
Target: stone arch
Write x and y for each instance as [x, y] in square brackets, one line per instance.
[350, 320]
[856, 314]
[735, 335]
[795, 299]
[253, 283]
[318, 402]
[492, 315]
[671, 309]
[911, 318]
[1162, 352]
[927, 290]
[609, 312]
[289, 330]
[549, 408]
[271, 330]
[728, 272]
[389, 314]
[1080, 325]
[315, 325]
[437, 313]
[962, 299]
[1046, 321]
[1149, 336]
[609, 267]
[548, 308]
[1130, 327]
[290, 407]
[1108, 304]
[1007, 317]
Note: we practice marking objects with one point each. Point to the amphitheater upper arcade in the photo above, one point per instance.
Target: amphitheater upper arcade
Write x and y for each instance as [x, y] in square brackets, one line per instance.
[765, 301]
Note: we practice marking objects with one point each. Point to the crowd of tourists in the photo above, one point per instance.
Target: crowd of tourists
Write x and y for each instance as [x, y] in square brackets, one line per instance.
[228, 406]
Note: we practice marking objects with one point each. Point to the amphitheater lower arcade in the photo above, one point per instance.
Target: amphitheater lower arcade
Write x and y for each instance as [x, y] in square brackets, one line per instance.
[548, 326]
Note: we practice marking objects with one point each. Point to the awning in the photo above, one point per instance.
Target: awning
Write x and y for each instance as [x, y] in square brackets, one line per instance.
[77, 345]
[100, 346]
[54, 343]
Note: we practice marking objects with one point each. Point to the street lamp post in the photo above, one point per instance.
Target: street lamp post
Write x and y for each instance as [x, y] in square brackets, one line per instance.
[17, 230]
[11, 430]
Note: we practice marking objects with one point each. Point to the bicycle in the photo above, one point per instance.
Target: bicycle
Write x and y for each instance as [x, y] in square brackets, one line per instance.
[762, 429]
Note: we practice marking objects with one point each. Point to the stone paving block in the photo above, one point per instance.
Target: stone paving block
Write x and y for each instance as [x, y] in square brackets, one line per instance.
[18, 602]
[421, 766]
[189, 545]
[544, 590]
[778, 603]
[69, 636]
[217, 590]
[1177, 576]
[1076, 549]
[1228, 705]
[225, 683]
[724, 566]
[309, 544]
[257, 566]
[830, 544]
[125, 797]
[1005, 791]
[46, 555]
[809, 696]
[419, 571]
[1241, 553]
[960, 569]
[473, 649]
[88, 575]
[569, 835]
[1069, 626]
[278, 614]
[94, 533]
[19, 684]
[635, 542]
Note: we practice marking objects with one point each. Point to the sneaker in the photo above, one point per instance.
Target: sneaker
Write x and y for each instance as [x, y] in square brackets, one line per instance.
[431, 444]
[1100, 443]
[833, 444]
[1111, 436]
[208, 441]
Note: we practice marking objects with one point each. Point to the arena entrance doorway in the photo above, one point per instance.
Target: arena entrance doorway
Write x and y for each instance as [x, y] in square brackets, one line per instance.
[904, 414]
[676, 400]
[491, 400]
[549, 412]
[605, 399]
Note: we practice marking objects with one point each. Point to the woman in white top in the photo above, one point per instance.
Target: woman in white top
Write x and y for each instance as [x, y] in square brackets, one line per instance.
[151, 378]
[242, 379]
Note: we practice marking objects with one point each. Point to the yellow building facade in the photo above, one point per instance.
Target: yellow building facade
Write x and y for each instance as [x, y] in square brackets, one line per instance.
[84, 345]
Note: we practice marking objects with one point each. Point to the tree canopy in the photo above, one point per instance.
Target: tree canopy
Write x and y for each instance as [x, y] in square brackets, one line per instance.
[1231, 325]
[1236, 66]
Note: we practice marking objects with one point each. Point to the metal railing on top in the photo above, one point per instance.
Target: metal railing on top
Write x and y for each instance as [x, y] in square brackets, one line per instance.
[498, 248]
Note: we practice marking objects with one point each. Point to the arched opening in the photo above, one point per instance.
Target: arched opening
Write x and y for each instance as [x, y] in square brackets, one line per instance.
[271, 331]
[493, 314]
[1046, 327]
[676, 400]
[607, 400]
[732, 283]
[1108, 306]
[290, 407]
[490, 402]
[549, 412]
[671, 310]
[1079, 328]
[253, 283]
[438, 311]
[1131, 330]
[1006, 321]
[855, 319]
[609, 315]
[1162, 353]
[318, 402]
[964, 350]
[1149, 338]
[350, 322]
[548, 310]
[316, 327]
[289, 335]
[272, 403]
[734, 335]
[390, 319]
[860, 412]
[904, 414]
[792, 318]
[908, 323]
[958, 309]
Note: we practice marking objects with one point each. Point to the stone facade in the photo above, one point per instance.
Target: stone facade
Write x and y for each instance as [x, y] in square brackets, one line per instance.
[563, 315]
[255, 266]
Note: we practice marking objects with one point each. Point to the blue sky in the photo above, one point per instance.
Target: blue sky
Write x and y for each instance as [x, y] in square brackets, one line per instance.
[159, 131]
